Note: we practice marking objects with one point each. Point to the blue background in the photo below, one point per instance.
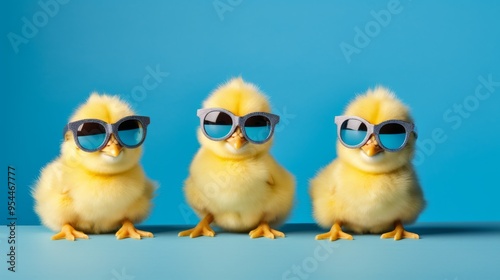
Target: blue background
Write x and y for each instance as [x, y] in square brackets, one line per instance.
[431, 54]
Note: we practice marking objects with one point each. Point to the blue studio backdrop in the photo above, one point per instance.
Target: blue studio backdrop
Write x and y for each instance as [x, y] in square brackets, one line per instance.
[311, 58]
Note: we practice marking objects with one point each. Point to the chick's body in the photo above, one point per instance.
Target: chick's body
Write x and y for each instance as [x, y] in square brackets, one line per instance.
[366, 203]
[238, 188]
[90, 202]
[238, 193]
[369, 192]
[94, 192]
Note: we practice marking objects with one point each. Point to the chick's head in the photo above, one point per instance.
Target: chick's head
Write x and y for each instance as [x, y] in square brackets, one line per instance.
[111, 159]
[240, 98]
[376, 106]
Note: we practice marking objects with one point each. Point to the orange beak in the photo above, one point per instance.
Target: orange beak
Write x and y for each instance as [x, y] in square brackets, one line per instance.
[371, 148]
[237, 140]
[113, 148]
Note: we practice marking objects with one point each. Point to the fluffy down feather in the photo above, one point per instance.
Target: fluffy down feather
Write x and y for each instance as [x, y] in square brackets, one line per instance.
[238, 188]
[94, 192]
[369, 193]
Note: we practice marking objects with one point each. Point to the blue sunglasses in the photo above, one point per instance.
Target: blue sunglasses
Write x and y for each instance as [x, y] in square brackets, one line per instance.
[219, 124]
[92, 134]
[391, 135]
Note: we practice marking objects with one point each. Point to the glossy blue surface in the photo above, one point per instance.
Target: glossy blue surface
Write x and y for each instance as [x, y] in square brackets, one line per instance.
[445, 251]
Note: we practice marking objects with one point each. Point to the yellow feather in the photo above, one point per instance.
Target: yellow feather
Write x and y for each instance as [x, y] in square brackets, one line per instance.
[234, 186]
[87, 191]
[365, 195]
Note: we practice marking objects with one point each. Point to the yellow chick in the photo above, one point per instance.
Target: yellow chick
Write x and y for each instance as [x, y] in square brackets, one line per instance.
[234, 181]
[97, 185]
[371, 187]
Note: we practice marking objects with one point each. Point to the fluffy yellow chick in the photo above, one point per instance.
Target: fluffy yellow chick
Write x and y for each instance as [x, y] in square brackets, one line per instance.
[95, 192]
[235, 183]
[369, 189]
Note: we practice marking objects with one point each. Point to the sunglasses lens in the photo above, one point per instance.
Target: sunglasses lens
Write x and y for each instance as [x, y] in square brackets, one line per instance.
[392, 136]
[352, 132]
[131, 132]
[258, 128]
[91, 135]
[217, 124]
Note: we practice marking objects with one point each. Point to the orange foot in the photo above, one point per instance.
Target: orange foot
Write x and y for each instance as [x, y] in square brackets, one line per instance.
[69, 233]
[334, 233]
[263, 230]
[201, 229]
[399, 233]
[128, 230]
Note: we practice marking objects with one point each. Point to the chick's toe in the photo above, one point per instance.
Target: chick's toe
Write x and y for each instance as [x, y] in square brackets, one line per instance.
[334, 234]
[128, 230]
[201, 229]
[399, 233]
[69, 233]
[263, 230]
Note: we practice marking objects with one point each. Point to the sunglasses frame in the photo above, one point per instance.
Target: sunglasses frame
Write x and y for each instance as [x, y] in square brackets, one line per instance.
[110, 129]
[238, 122]
[374, 129]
